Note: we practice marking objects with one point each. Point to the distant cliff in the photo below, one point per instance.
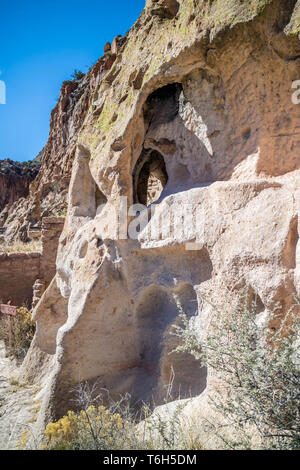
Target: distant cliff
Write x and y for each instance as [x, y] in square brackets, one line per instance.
[15, 179]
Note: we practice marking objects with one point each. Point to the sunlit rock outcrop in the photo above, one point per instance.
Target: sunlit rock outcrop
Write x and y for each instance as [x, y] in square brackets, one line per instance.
[195, 118]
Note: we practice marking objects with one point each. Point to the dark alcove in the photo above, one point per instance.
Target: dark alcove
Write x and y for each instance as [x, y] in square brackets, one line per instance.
[149, 177]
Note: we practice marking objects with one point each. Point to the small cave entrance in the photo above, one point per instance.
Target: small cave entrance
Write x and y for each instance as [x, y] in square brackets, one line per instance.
[149, 178]
[150, 174]
[252, 301]
[162, 105]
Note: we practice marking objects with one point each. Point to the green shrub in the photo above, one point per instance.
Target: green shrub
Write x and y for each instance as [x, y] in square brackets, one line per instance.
[77, 75]
[17, 332]
[257, 358]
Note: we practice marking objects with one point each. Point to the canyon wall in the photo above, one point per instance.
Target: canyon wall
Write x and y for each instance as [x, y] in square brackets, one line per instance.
[195, 119]
[15, 179]
[49, 191]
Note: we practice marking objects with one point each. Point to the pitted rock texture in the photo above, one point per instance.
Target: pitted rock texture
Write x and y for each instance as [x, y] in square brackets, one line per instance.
[195, 114]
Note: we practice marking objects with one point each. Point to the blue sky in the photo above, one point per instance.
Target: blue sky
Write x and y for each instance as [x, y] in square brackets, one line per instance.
[41, 43]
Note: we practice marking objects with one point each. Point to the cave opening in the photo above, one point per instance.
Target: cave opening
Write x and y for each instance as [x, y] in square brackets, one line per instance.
[150, 177]
[163, 104]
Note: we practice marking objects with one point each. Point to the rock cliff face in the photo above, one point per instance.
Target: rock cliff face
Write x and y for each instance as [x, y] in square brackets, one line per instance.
[48, 192]
[196, 115]
[15, 179]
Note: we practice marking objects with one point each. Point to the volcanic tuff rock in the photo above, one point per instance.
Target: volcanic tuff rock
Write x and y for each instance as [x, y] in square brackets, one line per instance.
[195, 113]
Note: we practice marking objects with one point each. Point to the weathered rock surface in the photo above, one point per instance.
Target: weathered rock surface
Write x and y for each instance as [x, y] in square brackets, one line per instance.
[195, 114]
[15, 179]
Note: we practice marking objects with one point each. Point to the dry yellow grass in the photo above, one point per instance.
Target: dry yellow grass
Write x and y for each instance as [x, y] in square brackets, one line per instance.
[20, 247]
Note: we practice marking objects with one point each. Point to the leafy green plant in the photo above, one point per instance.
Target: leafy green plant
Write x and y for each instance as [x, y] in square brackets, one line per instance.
[63, 213]
[77, 75]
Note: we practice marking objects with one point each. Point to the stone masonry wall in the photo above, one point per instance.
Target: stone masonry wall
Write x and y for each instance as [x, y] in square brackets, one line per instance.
[25, 276]
[18, 272]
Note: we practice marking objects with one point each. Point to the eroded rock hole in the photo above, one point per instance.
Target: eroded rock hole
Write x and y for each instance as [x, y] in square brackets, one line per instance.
[257, 304]
[150, 174]
[150, 177]
[156, 315]
[83, 250]
[253, 302]
[163, 104]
